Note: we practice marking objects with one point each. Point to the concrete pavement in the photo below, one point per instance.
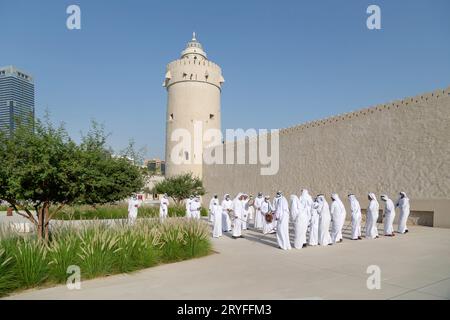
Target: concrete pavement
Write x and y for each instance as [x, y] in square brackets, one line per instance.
[413, 266]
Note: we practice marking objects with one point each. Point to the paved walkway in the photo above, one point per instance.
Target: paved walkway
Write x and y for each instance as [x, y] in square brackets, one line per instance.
[413, 266]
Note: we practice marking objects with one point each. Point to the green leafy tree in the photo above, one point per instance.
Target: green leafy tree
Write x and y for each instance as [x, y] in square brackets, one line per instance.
[105, 177]
[180, 187]
[44, 168]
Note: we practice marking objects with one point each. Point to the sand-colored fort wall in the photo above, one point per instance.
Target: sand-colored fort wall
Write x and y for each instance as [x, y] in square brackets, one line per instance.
[399, 146]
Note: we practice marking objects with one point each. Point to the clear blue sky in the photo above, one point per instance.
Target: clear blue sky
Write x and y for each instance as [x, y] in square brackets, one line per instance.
[284, 62]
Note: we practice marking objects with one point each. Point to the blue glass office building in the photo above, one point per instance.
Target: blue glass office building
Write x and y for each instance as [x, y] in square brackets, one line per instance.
[16, 98]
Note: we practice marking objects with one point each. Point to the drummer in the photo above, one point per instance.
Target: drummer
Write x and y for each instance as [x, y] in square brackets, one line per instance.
[269, 222]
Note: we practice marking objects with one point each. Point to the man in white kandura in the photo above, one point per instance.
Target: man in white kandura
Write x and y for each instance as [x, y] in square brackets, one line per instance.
[372, 217]
[356, 217]
[188, 206]
[314, 227]
[251, 209]
[133, 205]
[299, 215]
[338, 214]
[259, 217]
[195, 208]
[164, 207]
[227, 210]
[239, 211]
[403, 204]
[216, 211]
[281, 209]
[323, 209]
[389, 215]
[266, 209]
[212, 202]
[245, 215]
[306, 202]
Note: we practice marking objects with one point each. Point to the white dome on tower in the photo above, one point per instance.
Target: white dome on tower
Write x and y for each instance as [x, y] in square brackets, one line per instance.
[193, 49]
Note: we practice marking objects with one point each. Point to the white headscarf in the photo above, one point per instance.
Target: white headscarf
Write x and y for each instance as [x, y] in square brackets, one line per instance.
[336, 198]
[402, 201]
[372, 196]
[352, 198]
[354, 203]
[305, 195]
[404, 195]
[295, 206]
[236, 199]
[323, 204]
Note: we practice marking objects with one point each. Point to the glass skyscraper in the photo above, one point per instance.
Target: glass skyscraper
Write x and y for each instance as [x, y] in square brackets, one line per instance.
[16, 98]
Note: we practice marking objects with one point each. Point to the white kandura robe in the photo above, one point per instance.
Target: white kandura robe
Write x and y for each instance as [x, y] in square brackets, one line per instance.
[195, 209]
[324, 222]
[306, 203]
[356, 217]
[282, 215]
[227, 206]
[245, 216]
[371, 219]
[266, 207]
[403, 204]
[188, 208]
[259, 217]
[133, 206]
[239, 211]
[299, 214]
[314, 228]
[389, 215]
[212, 202]
[216, 210]
[163, 208]
[251, 213]
[338, 214]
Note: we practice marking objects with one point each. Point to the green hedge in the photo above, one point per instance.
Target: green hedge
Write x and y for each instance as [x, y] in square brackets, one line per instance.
[119, 211]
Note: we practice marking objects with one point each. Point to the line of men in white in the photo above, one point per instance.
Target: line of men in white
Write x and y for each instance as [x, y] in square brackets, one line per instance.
[306, 214]
[193, 207]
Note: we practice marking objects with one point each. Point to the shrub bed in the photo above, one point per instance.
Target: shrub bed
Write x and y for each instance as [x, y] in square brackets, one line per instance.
[116, 211]
[98, 250]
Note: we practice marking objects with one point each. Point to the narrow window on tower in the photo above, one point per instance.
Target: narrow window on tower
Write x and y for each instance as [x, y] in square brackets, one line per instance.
[186, 155]
[211, 116]
[171, 116]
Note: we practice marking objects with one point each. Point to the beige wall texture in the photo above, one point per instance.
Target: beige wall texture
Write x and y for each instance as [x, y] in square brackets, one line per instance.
[399, 146]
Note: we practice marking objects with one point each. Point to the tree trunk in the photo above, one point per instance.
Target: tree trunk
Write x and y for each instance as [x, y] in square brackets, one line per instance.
[40, 225]
[46, 224]
[42, 229]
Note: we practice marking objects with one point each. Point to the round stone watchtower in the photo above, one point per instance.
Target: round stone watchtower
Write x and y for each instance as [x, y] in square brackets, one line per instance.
[193, 85]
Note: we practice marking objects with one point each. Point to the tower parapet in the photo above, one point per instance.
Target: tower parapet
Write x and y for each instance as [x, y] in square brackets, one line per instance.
[193, 70]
